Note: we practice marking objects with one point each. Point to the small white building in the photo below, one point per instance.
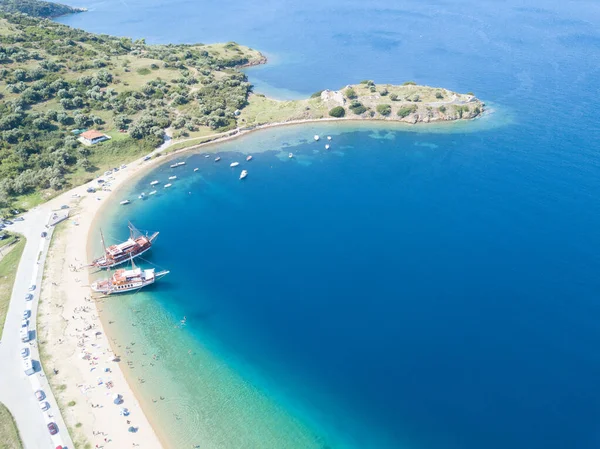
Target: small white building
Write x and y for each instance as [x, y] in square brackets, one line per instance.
[92, 137]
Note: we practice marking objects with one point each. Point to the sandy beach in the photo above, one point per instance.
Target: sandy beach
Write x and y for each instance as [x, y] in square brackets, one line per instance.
[78, 355]
[71, 333]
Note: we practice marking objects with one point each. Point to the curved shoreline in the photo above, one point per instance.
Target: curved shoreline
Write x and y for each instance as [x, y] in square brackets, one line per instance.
[80, 241]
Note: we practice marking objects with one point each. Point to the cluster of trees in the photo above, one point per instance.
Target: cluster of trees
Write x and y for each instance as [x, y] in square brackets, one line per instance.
[54, 79]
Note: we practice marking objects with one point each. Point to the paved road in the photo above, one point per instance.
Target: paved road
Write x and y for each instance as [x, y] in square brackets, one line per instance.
[16, 388]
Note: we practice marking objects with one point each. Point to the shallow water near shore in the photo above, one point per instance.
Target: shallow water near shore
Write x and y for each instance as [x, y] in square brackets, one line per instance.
[419, 288]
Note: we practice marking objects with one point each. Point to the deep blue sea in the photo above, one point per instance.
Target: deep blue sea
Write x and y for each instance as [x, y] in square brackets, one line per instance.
[418, 288]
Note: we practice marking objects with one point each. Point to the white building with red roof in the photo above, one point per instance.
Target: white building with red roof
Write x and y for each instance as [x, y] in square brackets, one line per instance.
[92, 137]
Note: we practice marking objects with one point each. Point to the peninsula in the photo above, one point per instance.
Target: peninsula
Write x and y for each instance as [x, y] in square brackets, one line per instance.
[58, 82]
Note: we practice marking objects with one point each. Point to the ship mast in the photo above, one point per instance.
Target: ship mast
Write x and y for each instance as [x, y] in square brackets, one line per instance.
[103, 244]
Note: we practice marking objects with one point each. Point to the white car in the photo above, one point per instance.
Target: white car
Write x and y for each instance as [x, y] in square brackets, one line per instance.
[39, 395]
[28, 296]
[44, 406]
[24, 324]
[25, 353]
[26, 314]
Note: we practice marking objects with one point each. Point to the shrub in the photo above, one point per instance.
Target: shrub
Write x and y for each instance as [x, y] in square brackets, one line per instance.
[477, 111]
[394, 97]
[350, 93]
[71, 403]
[143, 71]
[409, 83]
[439, 95]
[383, 92]
[368, 82]
[338, 111]
[357, 108]
[442, 109]
[471, 93]
[373, 89]
[316, 94]
[406, 110]
[384, 109]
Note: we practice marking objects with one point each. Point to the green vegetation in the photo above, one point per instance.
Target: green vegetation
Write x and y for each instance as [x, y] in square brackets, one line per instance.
[350, 93]
[57, 80]
[10, 256]
[338, 111]
[72, 403]
[442, 109]
[394, 97]
[409, 83]
[316, 94]
[383, 92]
[357, 107]
[9, 434]
[37, 8]
[439, 95]
[405, 111]
[384, 109]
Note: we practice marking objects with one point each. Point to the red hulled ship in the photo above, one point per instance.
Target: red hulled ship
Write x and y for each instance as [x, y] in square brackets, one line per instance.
[136, 245]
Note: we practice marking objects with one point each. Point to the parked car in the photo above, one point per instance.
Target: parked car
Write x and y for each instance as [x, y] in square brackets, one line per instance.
[52, 428]
[44, 234]
[90, 190]
[40, 395]
[26, 314]
[19, 219]
[28, 297]
[32, 287]
[44, 405]
[25, 353]
[24, 324]
[64, 206]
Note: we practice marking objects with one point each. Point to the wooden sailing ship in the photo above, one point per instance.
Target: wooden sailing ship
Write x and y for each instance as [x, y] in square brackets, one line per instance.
[123, 281]
[136, 245]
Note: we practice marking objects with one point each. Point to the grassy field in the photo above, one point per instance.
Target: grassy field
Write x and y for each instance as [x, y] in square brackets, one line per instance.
[8, 268]
[9, 434]
[261, 110]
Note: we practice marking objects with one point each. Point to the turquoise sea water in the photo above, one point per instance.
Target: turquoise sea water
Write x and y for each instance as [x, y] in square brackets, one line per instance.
[419, 288]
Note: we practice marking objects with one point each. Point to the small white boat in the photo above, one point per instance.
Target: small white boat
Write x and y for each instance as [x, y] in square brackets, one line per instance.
[153, 183]
[124, 202]
[327, 146]
[174, 166]
[168, 185]
[179, 164]
[328, 137]
[217, 159]
[152, 193]
[172, 177]
[206, 155]
[195, 169]
[317, 137]
[243, 174]
[291, 155]
[142, 196]
[234, 164]
[249, 158]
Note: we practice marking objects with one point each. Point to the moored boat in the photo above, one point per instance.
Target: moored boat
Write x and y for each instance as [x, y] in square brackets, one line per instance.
[316, 137]
[328, 137]
[234, 164]
[291, 155]
[195, 169]
[249, 158]
[172, 177]
[168, 185]
[136, 245]
[142, 196]
[152, 193]
[327, 146]
[124, 202]
[174, 166]
[179, 164]
[217, 159]
[123, 281]
[153, 183]
[243, 174]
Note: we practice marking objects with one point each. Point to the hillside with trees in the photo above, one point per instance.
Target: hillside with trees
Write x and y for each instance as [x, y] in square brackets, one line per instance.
[37, 8]
[55, 79]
